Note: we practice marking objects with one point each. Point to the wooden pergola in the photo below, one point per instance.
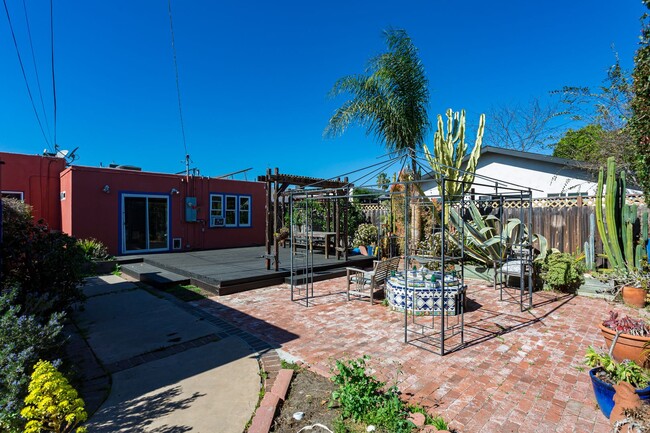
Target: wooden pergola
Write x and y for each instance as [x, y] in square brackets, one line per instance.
[276, 185]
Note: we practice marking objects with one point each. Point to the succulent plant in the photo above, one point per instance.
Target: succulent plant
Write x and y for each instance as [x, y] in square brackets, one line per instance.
[627, 325]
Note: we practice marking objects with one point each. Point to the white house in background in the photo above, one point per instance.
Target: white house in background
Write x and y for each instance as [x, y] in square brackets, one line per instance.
[547, 176]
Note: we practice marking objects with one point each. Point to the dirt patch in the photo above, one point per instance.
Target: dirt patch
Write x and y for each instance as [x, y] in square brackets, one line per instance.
[309, 393]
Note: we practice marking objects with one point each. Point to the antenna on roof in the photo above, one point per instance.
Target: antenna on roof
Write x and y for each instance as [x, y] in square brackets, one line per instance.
[69, 156]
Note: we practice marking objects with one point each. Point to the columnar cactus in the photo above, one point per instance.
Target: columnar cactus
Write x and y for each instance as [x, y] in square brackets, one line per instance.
[625, 248]
[450, 150]
[590, 252]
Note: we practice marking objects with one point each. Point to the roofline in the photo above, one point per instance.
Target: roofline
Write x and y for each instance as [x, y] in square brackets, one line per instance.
[530, 155]
[116, 170]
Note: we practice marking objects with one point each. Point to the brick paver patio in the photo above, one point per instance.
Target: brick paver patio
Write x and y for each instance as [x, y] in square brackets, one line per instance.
[519, 372]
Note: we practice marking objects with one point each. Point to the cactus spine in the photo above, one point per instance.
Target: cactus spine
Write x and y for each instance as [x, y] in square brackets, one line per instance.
[623, 245]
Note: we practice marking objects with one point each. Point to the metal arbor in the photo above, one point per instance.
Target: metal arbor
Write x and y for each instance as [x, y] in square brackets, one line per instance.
[456, 227]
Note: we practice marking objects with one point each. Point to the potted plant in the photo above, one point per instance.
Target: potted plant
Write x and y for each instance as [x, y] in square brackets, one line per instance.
[606, 373]
[627, 335]
[635, 287]
[366, 238]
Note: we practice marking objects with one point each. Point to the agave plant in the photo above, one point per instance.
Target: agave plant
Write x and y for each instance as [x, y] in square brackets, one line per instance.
[487, 239]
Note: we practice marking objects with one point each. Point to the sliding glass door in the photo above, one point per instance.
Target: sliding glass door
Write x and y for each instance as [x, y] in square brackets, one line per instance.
[145, 223]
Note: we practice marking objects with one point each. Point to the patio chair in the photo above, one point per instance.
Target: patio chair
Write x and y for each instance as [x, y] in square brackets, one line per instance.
[512, 267]
[362, 283]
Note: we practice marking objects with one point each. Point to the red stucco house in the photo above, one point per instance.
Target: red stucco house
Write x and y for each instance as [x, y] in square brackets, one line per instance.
[137, 212]
[34, 179]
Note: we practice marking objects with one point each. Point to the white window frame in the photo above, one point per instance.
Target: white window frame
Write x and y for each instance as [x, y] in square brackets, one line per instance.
[213, 211]
[19, 193]
[237, 209]
[249, 211]
[226, 210]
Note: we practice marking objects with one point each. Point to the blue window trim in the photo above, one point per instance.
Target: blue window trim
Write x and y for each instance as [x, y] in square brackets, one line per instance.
[237, 197]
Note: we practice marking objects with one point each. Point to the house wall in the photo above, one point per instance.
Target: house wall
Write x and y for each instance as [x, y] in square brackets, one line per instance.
[37, 177]
[542, 176]
[89, 211]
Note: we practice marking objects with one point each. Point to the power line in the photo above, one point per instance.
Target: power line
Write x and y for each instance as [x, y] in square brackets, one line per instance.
[22, 68]
[53, 79]
[38, 80]
[178, 87]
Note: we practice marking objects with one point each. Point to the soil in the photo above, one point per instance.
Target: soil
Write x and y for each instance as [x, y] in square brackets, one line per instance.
[309, 393]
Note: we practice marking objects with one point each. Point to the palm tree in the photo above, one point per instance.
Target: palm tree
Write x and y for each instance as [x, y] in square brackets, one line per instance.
[391, 101]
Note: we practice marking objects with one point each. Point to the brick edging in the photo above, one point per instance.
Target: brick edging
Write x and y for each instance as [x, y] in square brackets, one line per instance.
[276, 388]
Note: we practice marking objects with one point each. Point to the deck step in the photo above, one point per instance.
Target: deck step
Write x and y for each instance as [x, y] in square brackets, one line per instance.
[153, 275]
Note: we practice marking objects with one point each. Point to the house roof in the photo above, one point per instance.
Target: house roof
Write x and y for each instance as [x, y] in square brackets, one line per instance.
[530, 155]
[564, 162]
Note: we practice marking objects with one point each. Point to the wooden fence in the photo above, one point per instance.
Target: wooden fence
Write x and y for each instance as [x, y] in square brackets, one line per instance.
[564, 222]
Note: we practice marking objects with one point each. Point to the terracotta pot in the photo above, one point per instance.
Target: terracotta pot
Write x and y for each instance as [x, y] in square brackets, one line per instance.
[627, 346]
[634, 296]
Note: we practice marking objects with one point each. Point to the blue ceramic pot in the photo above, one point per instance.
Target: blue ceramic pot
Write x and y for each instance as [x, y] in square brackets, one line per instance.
[605, 392]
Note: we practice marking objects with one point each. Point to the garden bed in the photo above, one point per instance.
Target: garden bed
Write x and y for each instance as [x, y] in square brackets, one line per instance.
[309, 393]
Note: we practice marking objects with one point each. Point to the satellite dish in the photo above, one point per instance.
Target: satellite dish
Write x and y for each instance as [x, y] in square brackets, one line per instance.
[69, 156]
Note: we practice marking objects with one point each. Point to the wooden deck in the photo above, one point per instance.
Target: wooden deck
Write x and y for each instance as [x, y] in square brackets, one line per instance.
[233, 270]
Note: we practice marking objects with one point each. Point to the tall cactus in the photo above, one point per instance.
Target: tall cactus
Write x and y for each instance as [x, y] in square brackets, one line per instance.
[449, 151]
[590, 251]
[624, 247]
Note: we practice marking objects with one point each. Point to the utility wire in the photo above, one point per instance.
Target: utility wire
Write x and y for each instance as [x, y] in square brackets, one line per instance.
[22, 68]
[38, 80]
[53, 79]
[178, 87]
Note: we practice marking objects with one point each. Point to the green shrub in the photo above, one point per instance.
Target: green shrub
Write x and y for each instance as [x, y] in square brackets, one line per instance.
[319, 212]
[93, 249]
[45, 267]
[52, 404]
[23, 341]
[366, 234]
[362, 398]
[561, 271]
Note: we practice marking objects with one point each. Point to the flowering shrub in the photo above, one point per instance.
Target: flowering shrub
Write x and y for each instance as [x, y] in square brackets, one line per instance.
[366, 235]
[23, 340]
[52, 404]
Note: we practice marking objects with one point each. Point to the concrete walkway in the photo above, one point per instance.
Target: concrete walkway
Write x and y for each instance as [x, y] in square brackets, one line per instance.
[171, 370]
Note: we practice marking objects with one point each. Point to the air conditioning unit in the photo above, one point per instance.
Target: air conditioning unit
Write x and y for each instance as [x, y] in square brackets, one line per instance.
[218, 222]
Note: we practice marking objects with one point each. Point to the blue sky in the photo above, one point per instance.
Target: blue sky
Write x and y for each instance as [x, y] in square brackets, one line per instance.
[254, 76]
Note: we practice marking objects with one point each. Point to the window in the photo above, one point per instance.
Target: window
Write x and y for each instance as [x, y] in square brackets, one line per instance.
[229, 210]
[18, 195]
[244, 211]
[216, 206]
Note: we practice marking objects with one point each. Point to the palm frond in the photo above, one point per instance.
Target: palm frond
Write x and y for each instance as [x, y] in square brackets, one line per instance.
[390, 101]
